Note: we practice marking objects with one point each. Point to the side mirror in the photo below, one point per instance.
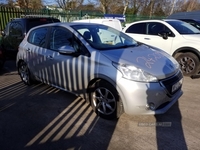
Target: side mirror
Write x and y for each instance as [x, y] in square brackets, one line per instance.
[66, 50]
[164, 35]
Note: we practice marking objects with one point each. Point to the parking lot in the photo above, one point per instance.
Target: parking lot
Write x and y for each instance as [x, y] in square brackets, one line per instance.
[41, 117]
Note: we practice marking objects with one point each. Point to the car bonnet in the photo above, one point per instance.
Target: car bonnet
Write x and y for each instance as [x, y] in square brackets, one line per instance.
[150, 60]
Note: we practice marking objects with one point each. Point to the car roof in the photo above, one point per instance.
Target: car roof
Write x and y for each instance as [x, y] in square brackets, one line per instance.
[153, 20]
[34, 17]
[150, 20]
[191, 19]
[186, 15]
[69, 23]
[63, 24]
[157, 20]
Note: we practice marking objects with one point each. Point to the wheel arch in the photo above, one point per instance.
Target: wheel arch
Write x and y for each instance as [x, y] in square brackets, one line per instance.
[100, 77]
[120, 106]
[187, 49]
[107, 79]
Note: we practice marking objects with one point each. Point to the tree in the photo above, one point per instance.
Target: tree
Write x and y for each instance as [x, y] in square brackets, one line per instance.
[146, 8]
[112, 6]
[69, 4]
[10, 3]
[186, 5]
[105, 5]
[33, 4]
[134, 7]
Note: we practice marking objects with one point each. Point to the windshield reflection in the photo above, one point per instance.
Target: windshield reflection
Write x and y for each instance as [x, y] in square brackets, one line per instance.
[183, 27]
[102, 37]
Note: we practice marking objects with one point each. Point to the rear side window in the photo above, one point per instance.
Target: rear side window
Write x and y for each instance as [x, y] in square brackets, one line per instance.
[7, 29]
[16, 29]
[139, 28]
[38, 36]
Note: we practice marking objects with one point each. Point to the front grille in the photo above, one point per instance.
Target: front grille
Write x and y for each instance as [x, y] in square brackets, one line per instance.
[169, 82]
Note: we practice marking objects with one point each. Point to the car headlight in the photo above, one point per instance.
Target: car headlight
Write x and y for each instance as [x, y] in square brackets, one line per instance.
[133, 73]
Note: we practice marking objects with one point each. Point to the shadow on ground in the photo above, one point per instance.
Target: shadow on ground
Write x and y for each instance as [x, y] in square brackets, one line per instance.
[42, 117]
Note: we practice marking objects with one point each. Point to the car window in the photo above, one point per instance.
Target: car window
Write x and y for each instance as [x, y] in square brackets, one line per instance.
[156, 28]
[16, 29]
[193, 23]
[100, 36]
[60, 37]
[104, 37]
[6, 30]
[183, 27]
[108, 37]
[38, 36]
[139, 28]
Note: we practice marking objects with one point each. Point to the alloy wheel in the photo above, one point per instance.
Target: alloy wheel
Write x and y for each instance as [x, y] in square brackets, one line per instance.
[104, 101]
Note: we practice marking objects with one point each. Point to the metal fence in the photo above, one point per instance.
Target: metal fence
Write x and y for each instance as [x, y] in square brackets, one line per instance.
[6, 14]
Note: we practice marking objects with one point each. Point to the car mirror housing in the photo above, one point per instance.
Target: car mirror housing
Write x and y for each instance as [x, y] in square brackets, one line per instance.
[67, 50]
[164, 35]
[2, 33]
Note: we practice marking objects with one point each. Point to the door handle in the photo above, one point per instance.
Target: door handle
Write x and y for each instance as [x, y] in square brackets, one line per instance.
[147, 38]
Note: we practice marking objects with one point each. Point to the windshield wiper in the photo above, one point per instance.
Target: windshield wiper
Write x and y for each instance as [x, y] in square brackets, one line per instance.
[126, 46]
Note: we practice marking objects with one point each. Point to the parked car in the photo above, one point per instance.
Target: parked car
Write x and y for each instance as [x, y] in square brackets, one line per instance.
[193, 22]
[16, 30]
[176, 37]
[191, 17]
[115, 75]
[114, 23]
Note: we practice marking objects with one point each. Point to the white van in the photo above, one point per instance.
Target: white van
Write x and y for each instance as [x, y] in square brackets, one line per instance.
[115, 23]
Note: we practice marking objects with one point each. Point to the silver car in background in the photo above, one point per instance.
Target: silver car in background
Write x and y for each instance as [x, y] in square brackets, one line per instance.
[102, 65]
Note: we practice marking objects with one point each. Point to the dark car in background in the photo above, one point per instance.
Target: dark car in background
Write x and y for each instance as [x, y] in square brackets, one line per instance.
[16, 30]
[2, 58]
[192, 17]
[193, 22]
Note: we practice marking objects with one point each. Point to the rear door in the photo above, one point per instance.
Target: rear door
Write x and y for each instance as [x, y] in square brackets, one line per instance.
[35, 52]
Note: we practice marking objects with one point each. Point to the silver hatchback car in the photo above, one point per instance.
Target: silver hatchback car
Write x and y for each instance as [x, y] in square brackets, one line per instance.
[102, 65]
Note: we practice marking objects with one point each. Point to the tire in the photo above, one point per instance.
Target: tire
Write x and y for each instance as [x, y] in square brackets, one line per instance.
[105, 100]
[24, 73]
[189, 63]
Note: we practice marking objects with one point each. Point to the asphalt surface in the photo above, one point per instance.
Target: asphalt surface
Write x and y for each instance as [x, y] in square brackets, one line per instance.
[40, 117]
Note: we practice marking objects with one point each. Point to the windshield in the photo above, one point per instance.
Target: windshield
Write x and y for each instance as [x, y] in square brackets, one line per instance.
[103, 37]
[183, 27]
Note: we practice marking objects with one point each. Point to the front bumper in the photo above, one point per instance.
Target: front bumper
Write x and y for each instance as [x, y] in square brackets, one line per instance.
[138, 96]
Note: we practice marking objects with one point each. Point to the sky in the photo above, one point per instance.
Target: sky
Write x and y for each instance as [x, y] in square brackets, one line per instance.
[48, 2]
